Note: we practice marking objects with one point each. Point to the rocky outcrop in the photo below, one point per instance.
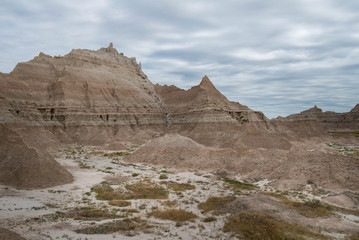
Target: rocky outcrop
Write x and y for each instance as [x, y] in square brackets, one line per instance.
[89, 96]
[203, 104]
[330, 120]
[86, 95]
[103, 98]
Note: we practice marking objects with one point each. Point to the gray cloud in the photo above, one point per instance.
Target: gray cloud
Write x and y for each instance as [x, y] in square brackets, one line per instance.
[279, 57]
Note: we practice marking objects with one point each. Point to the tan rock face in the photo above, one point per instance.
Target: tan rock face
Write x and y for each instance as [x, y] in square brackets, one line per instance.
[82, 89]
[103, 98]
[203, 104]
[90, 96]
[330, 120]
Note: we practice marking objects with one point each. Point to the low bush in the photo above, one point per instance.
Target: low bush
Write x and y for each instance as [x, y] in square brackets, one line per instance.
[119, 203]
[215, 203]
[180, 187]
[261, 226]
[130, 226]
[177, 215]
[240, 185]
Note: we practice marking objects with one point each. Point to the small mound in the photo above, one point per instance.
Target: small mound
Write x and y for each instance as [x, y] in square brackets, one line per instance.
[113, 146]
[183, 153]
[24, 167]
[6, 234]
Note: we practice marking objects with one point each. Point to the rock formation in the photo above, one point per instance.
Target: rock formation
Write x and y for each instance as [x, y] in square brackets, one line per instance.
[88, 97]
[103, 98]
[84, 97]
[331, 120]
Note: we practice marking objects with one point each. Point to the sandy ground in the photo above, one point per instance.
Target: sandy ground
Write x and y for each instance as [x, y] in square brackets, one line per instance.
[30, 212]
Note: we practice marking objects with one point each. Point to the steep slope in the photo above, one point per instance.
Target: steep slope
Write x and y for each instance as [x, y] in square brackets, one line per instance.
[25, 167]
[205, 115]
[203, 103]
[6, 234]
[88, 95]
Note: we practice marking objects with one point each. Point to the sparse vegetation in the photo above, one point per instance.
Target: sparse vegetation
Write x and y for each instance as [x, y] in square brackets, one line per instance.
[135, 174]
[209, 219]
[177, 215]
[116, 154]
[215, 203]
[260, 226]
[346, 211]
[145, 190]
[312, 209]
[56, 191]
[354, 236]
[96, 152]
[130, 226]
[84, 165]
[119, 203]
[180, 187]
[106, 192]
[353, 133]
[90, 214]
[169, 203]
[240, 185]
[139, 190]
[163, 176]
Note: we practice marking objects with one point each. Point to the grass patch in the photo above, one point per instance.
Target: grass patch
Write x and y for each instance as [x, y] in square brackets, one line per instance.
[135, 174]
[209, 219]
[90, 214]
[106, 192]
[84, 165]
[130, 226]
[354, 236]
[311, 209]
[240, 185]
[96, 152]
[163, 176]
[177, 215]
[260, 226]
[180, 187]
[116, 154]
[139, 190]
[354, 133]
[169, 203]
[119, 203]
[215, 203]
[145, 190]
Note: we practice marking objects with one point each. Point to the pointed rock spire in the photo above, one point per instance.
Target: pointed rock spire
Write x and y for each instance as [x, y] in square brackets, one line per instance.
[207, 84]
[355, 109]
[110, 49]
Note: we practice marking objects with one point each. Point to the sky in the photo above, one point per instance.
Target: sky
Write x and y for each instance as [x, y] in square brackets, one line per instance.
[275, 56]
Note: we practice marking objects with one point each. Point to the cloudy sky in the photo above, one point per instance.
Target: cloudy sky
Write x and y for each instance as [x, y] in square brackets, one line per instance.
[276, 56]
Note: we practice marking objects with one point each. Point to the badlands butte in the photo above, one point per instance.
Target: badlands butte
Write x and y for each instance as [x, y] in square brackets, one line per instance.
[102, 100]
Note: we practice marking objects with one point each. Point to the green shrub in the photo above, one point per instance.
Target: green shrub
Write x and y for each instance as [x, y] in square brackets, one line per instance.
[163, 176]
